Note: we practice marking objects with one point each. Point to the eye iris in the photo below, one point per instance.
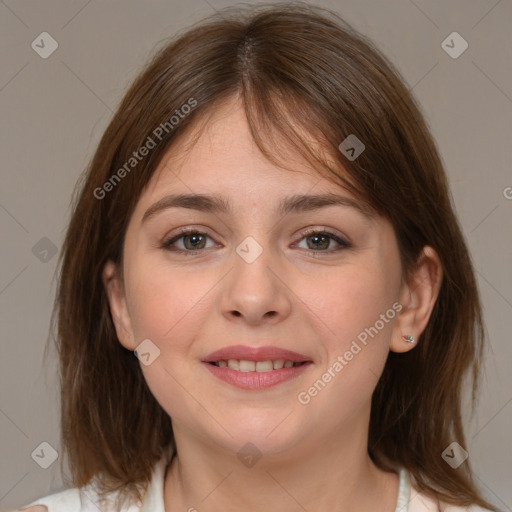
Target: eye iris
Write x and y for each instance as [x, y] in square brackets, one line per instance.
[319, 238]
[196, 239]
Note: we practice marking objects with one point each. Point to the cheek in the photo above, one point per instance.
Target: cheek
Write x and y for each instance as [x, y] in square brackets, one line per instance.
[165, 307]
[162, 301]
[355, 339]
[351, 301]
[363, 319]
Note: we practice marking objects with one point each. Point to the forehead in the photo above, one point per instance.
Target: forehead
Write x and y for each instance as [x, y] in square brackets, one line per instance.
[218, 151]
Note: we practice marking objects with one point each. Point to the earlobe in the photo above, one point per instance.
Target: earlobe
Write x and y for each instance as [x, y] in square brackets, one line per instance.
[417, 297]
[117, 301]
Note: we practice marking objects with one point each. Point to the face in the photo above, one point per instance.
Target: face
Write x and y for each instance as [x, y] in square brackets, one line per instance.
[260, 269]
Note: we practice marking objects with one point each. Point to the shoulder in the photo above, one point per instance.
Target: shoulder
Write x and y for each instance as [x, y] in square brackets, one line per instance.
[419, 502]
[77, 499]
[64, 501]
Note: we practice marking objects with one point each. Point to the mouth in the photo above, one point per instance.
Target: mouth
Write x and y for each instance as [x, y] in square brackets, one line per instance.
[246, 366]
[266, 358]
[256, 368]
[256, 375]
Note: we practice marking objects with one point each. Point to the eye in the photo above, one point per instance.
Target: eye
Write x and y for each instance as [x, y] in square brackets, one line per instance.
[187, 241]
[190, 241]
[322, 241]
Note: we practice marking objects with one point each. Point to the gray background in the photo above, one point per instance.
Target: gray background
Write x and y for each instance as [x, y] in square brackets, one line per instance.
[54, 110]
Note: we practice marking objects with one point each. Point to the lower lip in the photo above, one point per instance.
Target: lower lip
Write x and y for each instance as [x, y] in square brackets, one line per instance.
[257, 380]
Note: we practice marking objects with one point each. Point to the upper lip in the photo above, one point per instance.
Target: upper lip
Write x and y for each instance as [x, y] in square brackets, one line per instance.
[246, 353]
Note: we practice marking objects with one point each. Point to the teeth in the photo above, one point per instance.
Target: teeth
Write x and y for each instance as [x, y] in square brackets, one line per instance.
[234, 364]
[242, 365]
[278, 364]
[247, 366]
[264, 366]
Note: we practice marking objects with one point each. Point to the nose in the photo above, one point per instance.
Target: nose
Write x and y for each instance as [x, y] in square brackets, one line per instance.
[256, 291]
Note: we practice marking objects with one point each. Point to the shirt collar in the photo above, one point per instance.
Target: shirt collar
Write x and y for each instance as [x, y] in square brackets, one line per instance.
[154, 497]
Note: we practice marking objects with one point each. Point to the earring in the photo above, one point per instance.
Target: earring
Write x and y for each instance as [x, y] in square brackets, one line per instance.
[409, 338]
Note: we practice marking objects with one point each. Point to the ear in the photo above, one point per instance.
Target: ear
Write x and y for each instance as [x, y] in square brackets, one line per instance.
[116, 297]
[417, 297]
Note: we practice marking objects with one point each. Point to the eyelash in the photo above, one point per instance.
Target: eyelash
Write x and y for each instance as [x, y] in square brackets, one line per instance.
[166, 244]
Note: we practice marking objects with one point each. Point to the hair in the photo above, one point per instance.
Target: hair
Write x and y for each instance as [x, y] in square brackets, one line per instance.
[303, 74]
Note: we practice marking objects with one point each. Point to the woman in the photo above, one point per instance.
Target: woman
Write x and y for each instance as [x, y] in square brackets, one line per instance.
[266, 225]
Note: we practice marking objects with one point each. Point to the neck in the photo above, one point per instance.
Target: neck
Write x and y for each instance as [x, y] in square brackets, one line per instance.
[334, 474]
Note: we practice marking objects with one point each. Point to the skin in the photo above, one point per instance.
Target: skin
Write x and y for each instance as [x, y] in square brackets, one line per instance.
[314, 455]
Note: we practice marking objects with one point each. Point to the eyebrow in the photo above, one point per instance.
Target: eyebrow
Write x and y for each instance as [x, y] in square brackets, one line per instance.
[218, 204]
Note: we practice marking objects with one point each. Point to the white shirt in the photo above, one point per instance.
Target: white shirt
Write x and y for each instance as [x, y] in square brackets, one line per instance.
[84, 500]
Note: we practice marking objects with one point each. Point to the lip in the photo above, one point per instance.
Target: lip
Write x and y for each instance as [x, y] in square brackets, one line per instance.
[256, 380]
[255, 354]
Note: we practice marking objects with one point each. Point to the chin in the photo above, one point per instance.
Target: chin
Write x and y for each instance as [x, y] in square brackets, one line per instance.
[266, 438]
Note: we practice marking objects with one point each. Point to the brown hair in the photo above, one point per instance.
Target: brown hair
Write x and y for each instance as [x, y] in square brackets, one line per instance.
[299, 70]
